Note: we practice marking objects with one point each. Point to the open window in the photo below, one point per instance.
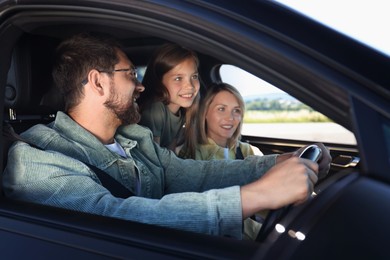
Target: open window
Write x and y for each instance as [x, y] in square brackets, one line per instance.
[271, 112]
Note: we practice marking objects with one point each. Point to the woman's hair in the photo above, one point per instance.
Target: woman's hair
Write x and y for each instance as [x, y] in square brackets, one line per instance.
[78, 55]
[200, 136]
[163, 60]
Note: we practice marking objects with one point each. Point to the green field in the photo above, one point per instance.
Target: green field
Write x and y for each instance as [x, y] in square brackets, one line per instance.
[301, 116]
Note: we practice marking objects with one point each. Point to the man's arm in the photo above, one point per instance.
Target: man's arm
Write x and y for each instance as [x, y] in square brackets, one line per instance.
[288, 182]
[53, 179]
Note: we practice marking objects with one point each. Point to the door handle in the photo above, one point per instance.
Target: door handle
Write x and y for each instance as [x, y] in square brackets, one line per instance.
[345, 161]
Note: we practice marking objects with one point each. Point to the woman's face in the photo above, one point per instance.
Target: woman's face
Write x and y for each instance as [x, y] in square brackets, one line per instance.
[223, 117]
[182, 83]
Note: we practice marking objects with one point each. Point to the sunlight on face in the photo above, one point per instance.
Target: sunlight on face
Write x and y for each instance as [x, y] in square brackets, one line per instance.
[182, 83]
[222, 117]
[124, 91]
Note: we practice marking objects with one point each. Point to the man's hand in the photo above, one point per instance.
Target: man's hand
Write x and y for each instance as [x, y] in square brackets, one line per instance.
[323, 162]
[289, 182]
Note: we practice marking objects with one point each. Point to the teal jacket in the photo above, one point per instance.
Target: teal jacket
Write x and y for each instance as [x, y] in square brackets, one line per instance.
[174, 193]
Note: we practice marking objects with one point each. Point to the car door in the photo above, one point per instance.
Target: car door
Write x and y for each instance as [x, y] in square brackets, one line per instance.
[272, 43]
[277, 122]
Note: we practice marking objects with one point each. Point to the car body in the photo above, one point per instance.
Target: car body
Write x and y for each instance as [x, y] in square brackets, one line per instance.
[343, 79]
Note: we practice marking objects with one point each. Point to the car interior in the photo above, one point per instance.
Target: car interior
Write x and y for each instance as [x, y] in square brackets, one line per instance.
[30, 98]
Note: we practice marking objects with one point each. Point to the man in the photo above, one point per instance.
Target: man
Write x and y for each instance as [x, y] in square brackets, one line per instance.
[99, 128]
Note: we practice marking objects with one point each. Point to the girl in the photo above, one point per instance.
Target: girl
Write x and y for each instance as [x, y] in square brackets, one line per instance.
[171, 95]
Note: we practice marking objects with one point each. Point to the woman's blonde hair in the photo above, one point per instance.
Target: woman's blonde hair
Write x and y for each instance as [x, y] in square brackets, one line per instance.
[199, 136]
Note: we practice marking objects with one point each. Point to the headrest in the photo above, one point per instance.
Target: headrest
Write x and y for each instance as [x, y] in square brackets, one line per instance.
[53, 100]
[29, 76]
[18, 91]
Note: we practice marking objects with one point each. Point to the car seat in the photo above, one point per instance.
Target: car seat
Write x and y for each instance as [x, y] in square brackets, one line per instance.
[29, 79]
[26, 99]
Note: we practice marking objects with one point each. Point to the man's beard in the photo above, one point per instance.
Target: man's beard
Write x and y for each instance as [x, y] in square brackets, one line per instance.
[127, 113]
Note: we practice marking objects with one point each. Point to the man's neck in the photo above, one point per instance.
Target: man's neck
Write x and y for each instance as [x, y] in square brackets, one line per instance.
[98, 124]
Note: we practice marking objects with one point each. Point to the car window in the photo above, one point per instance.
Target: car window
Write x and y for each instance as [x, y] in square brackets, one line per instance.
[367, 20]
[271, 112]
[141, 72]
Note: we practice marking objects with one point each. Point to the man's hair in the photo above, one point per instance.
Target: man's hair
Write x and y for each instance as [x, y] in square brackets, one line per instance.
[76, 57]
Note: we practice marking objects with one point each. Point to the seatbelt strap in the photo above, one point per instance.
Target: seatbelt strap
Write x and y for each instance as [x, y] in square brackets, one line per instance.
[116, 188]
[239, 155]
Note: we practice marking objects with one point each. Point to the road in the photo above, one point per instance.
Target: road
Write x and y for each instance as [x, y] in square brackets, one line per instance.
[317, 132]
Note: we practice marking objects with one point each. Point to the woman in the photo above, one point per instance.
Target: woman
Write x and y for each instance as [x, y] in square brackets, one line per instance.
[219, 130]
[218, 133]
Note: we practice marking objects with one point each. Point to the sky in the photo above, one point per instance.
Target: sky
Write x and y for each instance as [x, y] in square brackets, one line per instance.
[245, 81]
[366, 21]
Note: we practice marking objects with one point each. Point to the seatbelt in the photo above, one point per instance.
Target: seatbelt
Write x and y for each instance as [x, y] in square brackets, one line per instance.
[239, 155]
[116, 188]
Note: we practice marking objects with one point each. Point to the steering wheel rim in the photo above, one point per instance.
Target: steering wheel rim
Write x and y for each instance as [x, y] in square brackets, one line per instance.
[311, 152]
[273, 217]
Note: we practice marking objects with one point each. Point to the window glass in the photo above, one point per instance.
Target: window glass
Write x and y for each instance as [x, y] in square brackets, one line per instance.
[271, 112]
[367, 20]
[141, 72]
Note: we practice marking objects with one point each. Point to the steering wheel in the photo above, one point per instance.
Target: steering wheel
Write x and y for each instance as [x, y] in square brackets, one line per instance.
[273, 217]
[311, 152]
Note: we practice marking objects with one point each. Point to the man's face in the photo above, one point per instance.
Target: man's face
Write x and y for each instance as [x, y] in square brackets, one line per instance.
[125, 109]
[124, 90]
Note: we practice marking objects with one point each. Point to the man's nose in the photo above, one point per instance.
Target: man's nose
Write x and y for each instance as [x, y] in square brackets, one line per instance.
[139, 87]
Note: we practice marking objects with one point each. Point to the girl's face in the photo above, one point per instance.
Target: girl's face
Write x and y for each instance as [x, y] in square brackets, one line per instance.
[222, 117]
[182, 83]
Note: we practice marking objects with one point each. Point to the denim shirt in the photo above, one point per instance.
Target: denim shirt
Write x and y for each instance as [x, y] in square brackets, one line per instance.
[199, 196]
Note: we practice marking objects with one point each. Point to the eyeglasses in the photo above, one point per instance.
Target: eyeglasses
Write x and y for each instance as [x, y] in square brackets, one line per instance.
[133, 74]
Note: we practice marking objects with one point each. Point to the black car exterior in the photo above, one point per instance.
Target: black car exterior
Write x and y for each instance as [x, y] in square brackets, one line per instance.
[345, 80]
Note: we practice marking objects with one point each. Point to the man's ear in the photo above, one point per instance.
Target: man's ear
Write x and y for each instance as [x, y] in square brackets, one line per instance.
[96, 82]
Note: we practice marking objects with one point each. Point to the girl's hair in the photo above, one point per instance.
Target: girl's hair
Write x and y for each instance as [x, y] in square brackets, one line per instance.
[200, 137]
[163, 60]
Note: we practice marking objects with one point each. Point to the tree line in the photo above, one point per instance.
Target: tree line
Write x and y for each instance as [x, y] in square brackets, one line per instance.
[265, 104]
